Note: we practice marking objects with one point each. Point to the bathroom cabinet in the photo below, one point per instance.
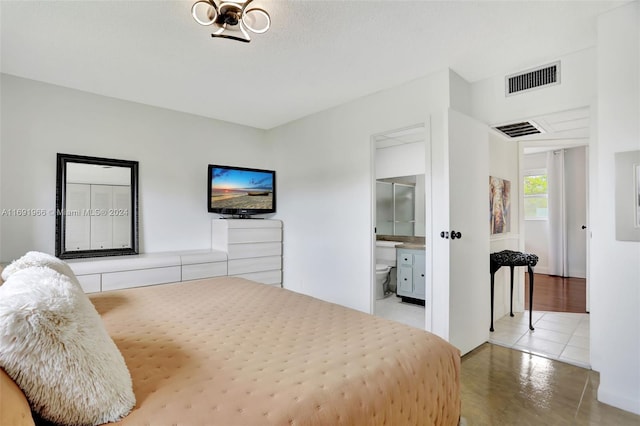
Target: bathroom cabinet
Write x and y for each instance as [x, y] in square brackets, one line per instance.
[411, 272]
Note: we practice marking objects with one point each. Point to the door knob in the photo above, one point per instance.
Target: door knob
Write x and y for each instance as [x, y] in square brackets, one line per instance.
[584, 226]
[445, 235]
[455, 235]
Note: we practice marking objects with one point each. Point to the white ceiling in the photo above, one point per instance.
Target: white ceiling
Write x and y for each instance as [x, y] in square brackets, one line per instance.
[316, 55]
[412, 134]
[560, 129]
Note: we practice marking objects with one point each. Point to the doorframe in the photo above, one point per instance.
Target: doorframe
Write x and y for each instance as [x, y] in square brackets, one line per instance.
[558, 144]
[426, 126]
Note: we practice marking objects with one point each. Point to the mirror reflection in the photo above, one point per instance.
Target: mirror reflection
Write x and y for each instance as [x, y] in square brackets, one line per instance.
[96, 207]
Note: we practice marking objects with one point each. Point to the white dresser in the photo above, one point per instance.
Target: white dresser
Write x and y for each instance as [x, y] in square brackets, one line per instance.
[253, 247]
[248, 248]
[118, 272]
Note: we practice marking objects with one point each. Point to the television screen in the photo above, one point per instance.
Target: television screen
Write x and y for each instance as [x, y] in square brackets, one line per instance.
[241, 191]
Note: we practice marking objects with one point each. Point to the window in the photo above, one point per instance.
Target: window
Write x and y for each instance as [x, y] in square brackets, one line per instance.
[536, 196]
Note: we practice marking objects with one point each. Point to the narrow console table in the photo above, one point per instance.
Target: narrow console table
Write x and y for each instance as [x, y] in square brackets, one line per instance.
[512, 259]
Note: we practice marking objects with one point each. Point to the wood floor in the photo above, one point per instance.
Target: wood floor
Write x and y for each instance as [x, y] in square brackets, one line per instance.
[502, 386]
[557, 294]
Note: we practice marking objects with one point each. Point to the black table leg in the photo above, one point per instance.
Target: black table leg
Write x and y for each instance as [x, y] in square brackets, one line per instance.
[492, 278]
[530, 297]
[511, 302]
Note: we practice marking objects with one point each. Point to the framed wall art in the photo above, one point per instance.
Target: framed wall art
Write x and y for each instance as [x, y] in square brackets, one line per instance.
[499, 205]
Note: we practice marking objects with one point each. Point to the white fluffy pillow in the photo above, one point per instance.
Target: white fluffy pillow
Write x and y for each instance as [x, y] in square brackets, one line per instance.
[36, 258]
[54, 345]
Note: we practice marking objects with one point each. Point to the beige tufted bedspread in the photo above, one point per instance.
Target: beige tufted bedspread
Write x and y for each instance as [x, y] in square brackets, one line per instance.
[227, 351]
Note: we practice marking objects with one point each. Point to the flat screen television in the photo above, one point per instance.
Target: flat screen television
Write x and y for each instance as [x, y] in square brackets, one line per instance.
[240, 191]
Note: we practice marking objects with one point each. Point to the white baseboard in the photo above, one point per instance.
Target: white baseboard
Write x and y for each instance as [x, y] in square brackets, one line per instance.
[545, 270]
[577, 273]
[541, 270]
[623, 402]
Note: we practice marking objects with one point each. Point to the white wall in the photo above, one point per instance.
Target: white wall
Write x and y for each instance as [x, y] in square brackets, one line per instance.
[503, 163]
[325, 198]
[536, 241]
[615, 265]
[400, 160]
[40, 120]
[577, 89]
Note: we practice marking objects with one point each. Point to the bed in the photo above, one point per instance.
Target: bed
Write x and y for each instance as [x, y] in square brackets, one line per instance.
[228, 351]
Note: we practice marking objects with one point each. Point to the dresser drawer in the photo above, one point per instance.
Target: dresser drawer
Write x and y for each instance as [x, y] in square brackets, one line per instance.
[254, 235]
[243, 251]
[89, 283]
[256, 264]
[204, 270]
[140, 277]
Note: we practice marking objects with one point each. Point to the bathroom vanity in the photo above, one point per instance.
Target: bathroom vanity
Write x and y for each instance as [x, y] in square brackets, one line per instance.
[411, 273]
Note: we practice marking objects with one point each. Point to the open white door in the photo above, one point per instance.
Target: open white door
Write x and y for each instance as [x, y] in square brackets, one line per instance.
[460, 173]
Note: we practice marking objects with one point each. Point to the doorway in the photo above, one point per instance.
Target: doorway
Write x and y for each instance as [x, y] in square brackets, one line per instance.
[554, 226]
[399, 194]
[455, 161]
[560, 235]
[555, 188]
[562, 328]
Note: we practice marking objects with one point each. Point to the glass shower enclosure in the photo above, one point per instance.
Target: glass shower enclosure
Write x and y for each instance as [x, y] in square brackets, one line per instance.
[395, 208]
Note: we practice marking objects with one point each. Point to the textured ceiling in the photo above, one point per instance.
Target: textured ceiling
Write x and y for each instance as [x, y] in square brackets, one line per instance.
[316, 55]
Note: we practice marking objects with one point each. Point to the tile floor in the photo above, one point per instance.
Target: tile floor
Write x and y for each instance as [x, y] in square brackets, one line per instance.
[394, 308]
[561, 336]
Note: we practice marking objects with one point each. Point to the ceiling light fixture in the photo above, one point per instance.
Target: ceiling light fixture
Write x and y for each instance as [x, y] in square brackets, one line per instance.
[232, 18]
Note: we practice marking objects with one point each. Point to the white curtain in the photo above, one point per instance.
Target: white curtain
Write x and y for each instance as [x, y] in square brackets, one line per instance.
[557, 214]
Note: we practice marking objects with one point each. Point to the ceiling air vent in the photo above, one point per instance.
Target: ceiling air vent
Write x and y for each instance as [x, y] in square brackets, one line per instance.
[546, 75]
[523, 128]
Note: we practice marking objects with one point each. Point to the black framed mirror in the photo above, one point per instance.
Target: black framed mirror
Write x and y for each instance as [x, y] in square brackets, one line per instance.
[96, 207]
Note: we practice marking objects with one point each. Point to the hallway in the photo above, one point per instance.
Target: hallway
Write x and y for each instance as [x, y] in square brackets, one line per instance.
[556, 294]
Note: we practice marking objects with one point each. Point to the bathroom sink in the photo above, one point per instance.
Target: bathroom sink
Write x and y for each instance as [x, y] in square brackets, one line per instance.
[380, 243]
[410, 246]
